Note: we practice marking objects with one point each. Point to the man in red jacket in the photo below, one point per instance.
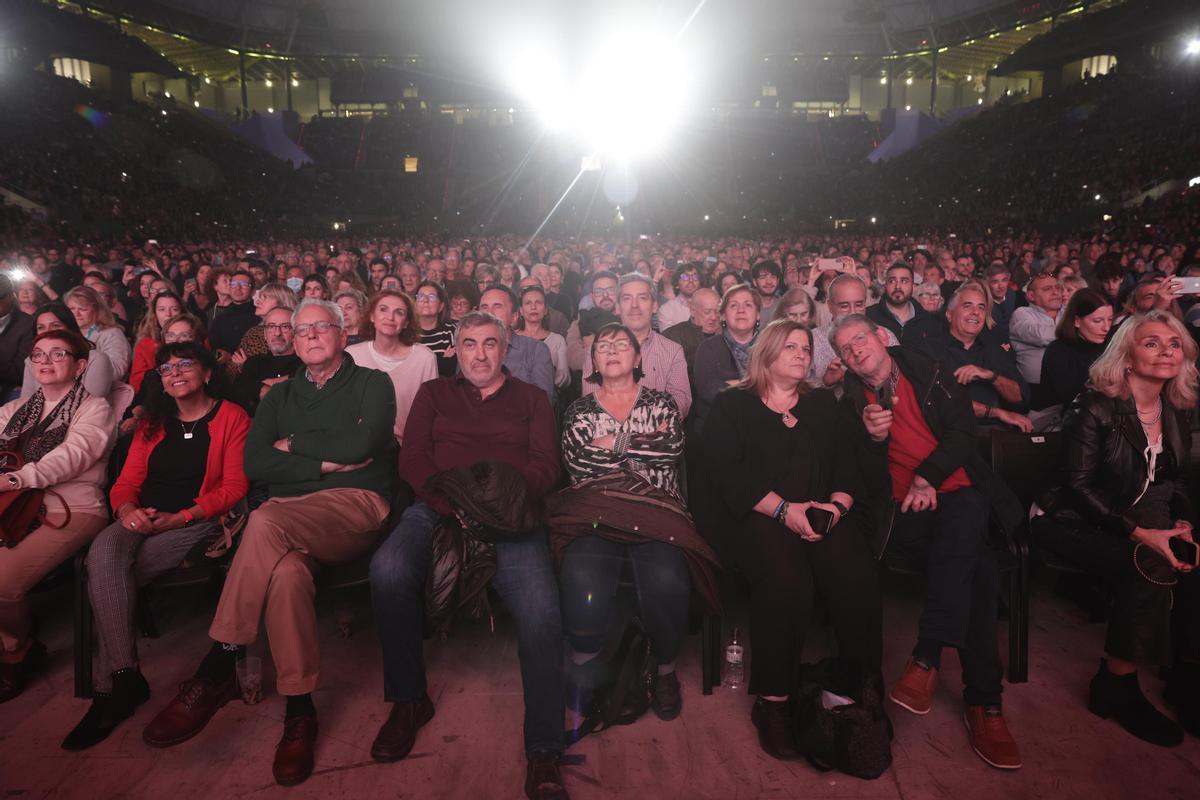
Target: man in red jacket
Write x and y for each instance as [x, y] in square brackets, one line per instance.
[482, 414]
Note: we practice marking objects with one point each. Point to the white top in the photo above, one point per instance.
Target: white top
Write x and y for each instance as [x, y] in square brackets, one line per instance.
[112, 342]
[673, 312]
[1031, 330]
[75, 469]
[407, 374]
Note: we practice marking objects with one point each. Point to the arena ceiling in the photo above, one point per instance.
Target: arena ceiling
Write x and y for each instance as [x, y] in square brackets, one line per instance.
[320, 38]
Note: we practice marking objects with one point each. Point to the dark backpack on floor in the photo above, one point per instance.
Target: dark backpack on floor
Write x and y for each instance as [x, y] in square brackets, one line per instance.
[855, 739]
[623, 694]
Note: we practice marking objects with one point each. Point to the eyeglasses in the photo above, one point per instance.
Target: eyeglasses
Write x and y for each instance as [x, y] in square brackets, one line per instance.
[619, 346]
[282, 327]
[690, 277]
[181, 366]
[609, 292]
[848, 349]
[427, 297]
[242, 283]
[56, 355]
[322, 327]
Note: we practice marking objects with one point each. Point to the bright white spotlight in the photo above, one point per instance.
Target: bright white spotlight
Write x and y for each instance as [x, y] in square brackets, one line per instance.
[1192, 48]
[621, 108]
[1194, 182]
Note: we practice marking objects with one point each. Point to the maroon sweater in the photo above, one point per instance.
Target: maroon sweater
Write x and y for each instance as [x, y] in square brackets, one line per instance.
[450, 426]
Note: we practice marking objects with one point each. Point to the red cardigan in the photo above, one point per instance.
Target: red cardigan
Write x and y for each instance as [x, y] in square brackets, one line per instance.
[224, 479]
[144, 353]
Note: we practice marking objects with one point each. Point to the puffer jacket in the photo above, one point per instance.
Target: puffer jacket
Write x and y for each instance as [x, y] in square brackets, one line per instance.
[1106, 469]
[491, 498]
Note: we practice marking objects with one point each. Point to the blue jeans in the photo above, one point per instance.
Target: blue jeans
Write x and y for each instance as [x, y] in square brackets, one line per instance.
[525, 582]
[588, 579]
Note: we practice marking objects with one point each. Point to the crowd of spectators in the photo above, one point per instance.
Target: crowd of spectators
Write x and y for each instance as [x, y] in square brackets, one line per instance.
[486, 410]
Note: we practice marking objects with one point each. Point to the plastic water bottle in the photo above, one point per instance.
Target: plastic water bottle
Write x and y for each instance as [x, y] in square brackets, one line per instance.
[735, 668]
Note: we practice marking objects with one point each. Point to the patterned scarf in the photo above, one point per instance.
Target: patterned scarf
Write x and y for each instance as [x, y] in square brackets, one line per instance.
[741, 352]
[34, 437]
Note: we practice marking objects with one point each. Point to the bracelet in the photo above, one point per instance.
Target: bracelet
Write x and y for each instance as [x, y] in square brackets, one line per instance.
[187, 515]
[840, 507]
[781, 511]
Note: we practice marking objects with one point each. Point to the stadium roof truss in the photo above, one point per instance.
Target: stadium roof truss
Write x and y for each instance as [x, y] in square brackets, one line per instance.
[321, 38]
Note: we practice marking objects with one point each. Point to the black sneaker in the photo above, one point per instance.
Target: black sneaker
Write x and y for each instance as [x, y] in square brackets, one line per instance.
[666, 698]
[108, 710]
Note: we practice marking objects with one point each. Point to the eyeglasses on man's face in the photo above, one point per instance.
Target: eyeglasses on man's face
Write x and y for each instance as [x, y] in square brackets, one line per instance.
[240, 282]
[278, 327]
[181, 366]
[322, 327]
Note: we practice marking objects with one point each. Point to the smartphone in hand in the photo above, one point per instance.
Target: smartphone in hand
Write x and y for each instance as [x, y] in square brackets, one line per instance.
[821, 521]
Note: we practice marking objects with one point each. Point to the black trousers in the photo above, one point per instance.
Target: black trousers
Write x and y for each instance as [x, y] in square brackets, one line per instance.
[962, 585]
[1145, 612]
[785, 573]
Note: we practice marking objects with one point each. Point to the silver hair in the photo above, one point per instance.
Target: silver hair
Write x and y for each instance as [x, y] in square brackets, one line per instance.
[845, 277]
[478, 319]
[634, 277]
[838, 324]
[331, 308]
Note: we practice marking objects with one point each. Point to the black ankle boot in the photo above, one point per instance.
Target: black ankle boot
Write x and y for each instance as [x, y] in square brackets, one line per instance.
[129, 690]
[776, 733]
[1119, 697]
[1183, 692]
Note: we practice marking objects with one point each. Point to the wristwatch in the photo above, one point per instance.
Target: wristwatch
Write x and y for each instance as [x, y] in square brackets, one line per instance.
[291, 437]
[842, 510]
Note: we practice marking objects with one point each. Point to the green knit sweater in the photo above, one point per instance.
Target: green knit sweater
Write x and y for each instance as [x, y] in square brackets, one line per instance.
[347, 421]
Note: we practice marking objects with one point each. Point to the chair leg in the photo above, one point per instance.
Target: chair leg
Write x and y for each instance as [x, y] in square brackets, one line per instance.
[1023, 632]
[145, 616]
[706, 666]
[83, 630]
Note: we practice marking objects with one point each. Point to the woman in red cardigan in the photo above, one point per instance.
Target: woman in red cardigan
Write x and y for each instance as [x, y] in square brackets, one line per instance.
[183, 472]
[163, 307]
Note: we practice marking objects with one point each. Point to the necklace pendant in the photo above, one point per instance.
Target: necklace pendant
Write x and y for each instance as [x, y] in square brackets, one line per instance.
[188, 435]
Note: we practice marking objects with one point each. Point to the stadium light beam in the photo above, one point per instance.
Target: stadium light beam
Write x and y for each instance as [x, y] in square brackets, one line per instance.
[616, 108]
[1192, 48]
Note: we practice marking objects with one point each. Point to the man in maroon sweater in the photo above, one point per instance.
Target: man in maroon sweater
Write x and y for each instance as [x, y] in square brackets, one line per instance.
[482, 414]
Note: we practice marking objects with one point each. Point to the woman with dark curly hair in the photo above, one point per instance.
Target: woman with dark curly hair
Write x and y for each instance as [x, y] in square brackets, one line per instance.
[183, 472]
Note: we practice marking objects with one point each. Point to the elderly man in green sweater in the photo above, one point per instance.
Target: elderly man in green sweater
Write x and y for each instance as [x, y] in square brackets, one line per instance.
[322, 443]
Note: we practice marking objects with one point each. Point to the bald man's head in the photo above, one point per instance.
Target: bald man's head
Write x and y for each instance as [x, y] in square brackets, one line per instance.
[704, 304]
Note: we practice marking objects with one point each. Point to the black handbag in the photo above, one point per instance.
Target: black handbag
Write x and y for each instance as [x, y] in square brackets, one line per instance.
[855, 738]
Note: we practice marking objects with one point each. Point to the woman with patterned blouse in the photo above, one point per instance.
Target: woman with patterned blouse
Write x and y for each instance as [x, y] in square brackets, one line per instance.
[624, 427]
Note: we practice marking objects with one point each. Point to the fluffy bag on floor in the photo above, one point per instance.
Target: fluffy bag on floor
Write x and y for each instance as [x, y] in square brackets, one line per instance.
[856, 738]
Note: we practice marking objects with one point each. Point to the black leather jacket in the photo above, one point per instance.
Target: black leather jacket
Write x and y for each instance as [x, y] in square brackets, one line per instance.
[1105, 462]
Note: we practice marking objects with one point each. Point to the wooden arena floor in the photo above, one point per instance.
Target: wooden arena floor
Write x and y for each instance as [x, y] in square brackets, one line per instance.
[472, 748]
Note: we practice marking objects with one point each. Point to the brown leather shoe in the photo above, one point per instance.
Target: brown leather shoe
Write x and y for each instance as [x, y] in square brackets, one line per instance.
[294, 753]
[399, 732]
[189, 712]
[990, 737]
[543, 780]
[914, 690]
